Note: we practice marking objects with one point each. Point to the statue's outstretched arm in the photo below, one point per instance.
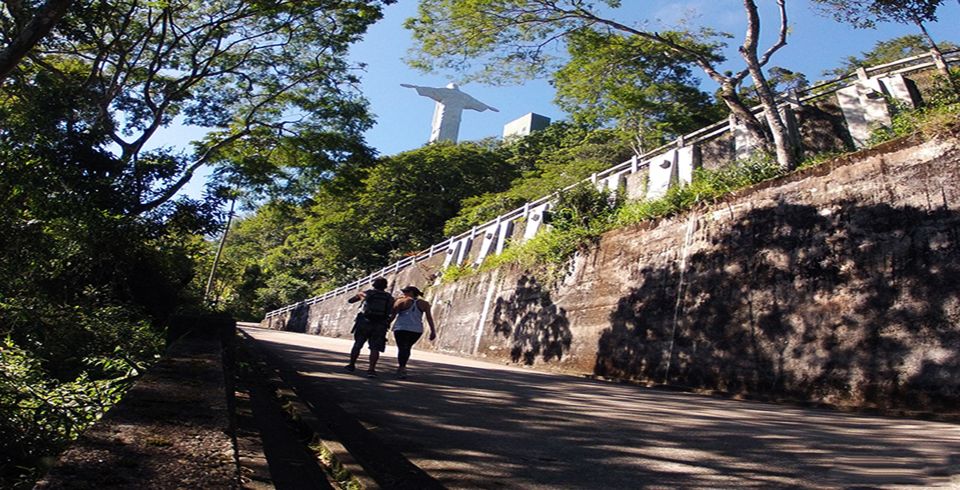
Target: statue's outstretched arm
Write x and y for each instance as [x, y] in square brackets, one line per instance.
[476, 105]
[433, 93]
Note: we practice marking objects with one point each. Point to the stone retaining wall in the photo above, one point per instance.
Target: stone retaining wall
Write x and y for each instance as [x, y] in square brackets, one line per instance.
[837, 285]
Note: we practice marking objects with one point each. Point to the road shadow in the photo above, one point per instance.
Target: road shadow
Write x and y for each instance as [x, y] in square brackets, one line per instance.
[533, 323]
[850, 304]
[475, 427]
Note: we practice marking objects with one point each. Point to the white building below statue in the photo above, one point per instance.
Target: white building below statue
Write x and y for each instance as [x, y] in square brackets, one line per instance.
[525, 125]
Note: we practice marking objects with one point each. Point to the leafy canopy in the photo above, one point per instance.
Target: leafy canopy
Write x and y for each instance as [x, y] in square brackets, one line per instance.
[886, 52]
[559, 156]
[633, 83]
[98, 252]
[355, 223]
[867, 13]
[257, 73]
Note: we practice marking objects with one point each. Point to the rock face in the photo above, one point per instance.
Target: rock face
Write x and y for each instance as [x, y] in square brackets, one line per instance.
[838, 284]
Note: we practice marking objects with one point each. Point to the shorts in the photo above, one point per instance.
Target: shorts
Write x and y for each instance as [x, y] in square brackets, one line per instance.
[374, 333]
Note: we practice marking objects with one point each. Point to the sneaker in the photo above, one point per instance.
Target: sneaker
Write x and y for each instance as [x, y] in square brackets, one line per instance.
[371, 374]
[350, 368]
[402, 373]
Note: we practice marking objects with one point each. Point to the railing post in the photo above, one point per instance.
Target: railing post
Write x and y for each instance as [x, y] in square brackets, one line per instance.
[862, 74]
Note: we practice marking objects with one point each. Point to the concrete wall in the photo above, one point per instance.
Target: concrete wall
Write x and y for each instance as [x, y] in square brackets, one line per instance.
[836, 285]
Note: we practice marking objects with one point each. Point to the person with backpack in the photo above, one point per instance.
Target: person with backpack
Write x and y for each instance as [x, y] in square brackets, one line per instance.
[408, 328]
[371, 324]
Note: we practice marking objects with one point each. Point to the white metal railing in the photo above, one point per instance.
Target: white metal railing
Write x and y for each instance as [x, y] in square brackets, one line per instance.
[899, 67]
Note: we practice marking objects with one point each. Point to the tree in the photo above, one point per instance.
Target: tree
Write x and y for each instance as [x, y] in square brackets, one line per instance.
[98, 253]
[356, 222]
[556, 157]
[510, 40]
[784, 80]
[409, 196]
[261, 74]
[641, 86]
[242, 279]
[865, 14]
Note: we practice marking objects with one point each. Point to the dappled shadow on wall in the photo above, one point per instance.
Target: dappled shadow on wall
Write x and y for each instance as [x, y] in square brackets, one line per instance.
[298, 319]
[533, 324]
[849, 305]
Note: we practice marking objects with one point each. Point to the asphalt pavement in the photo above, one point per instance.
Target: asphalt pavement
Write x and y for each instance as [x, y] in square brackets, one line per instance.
[470, 424]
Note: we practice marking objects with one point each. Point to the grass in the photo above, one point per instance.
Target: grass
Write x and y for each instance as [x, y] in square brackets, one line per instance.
[707, 187]
[938, 115]
[455, 272]
[342, 476]
[928, 121]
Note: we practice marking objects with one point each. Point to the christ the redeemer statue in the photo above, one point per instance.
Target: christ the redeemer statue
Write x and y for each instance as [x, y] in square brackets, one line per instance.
[450, 105]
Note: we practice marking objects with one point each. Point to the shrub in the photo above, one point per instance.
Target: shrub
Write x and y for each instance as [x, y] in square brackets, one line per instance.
[47, 404]
[455, 272]
[707, 186]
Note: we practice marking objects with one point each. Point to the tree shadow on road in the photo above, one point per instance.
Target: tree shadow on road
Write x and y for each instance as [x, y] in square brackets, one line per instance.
[490, 427]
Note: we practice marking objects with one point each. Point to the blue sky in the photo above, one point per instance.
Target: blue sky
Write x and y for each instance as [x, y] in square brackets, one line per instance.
[815, 43]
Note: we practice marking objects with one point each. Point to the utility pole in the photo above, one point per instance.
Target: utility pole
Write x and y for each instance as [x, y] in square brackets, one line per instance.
[216, 258]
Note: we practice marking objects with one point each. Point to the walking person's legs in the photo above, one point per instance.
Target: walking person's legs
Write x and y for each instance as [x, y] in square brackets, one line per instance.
[374, 357]
[354, 354]
[377, 343]
[361, 334]
[405, 341]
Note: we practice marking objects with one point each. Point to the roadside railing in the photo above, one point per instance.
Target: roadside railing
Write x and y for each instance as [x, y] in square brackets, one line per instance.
[900, 67]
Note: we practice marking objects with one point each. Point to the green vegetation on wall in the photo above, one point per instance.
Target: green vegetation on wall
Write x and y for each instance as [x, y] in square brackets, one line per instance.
[583, 214]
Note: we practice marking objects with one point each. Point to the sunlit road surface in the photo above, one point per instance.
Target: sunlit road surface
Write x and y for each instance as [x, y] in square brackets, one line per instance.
[471, 424]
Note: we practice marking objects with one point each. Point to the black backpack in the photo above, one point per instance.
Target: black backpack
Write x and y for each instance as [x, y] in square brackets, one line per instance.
[377, 305]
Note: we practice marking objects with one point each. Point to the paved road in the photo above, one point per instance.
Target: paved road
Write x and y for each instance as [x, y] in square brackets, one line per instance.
[478, 425]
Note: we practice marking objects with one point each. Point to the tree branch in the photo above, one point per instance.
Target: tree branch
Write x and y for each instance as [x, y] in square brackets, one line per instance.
[167, 194]
[35, 30]
[699, 58]
[782, 37]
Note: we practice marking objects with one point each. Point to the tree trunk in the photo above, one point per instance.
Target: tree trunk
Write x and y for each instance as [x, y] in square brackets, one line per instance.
[784, 148]
[39, 26]
[783, 145]
[216, 258]
[728, 94]
[937, 55]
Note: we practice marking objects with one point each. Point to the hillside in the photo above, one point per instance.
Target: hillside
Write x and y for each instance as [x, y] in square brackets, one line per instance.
[831, 285]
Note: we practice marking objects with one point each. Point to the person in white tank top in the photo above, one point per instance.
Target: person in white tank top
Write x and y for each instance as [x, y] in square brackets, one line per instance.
[408, 326]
